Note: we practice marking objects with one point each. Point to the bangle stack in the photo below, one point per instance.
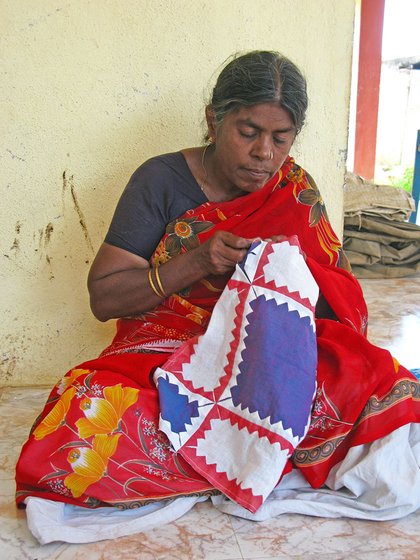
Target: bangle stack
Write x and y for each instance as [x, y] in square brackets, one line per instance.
[159, 291]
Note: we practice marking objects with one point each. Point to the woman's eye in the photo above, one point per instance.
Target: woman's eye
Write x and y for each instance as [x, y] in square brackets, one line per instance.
[279, 140]
[247, 134]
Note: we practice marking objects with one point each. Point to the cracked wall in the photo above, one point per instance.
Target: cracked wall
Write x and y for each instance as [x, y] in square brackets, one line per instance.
[92, 88]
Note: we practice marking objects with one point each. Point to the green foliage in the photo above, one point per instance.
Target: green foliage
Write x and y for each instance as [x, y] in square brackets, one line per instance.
[404, 181]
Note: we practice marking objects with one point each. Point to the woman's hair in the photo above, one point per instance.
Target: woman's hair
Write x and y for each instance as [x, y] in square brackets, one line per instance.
[260, 77]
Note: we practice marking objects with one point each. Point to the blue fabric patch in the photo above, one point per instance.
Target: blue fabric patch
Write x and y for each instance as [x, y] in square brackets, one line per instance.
[174, 407]
[280, 348]
[250, 251]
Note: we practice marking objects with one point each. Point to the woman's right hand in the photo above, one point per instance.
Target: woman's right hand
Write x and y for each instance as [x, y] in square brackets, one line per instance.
[221, 253]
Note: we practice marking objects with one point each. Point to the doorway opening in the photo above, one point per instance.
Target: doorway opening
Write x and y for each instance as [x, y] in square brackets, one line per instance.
[385, 102]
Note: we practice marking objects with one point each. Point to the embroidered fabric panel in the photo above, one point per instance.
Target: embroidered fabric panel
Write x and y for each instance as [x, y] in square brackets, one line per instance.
[236, 401]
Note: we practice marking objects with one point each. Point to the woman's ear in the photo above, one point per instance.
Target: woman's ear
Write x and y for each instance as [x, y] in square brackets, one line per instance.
[211, 121]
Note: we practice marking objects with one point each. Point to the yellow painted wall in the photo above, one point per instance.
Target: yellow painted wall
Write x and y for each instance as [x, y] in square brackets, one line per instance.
[91, 88]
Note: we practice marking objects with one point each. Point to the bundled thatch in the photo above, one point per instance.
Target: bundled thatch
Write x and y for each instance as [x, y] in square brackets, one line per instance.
[378, 240]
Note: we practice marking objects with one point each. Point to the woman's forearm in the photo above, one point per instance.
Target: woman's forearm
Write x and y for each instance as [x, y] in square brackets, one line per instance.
[129, 292]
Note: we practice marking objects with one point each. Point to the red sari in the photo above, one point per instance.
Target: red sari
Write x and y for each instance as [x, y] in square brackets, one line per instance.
[97, 440]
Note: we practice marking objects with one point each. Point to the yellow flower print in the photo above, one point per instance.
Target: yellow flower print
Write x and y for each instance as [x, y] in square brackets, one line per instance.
[102, 416]
[296, 174]
[396, 364]
[90, 465]
[69, 379]
[160, 255]
[56, 417]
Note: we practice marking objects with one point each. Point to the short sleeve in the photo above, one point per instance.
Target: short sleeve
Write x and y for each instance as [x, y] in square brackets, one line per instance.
[159, 191]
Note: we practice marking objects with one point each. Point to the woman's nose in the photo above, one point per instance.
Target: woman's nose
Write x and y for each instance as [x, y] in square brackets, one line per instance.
[262, 149]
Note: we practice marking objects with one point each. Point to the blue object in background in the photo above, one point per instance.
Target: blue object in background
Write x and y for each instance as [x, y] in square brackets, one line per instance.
[416, 181]
[416, 372]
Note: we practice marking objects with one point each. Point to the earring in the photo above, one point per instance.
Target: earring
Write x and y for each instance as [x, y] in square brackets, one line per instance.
[211, 139]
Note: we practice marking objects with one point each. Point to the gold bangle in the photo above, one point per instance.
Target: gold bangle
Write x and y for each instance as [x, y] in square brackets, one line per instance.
[159, 282]
[152, 285]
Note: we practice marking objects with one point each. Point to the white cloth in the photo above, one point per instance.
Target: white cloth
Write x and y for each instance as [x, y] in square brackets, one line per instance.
[51, 521]
[378, 481]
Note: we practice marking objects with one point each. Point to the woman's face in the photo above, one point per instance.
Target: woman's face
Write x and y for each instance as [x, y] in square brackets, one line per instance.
[251, 144]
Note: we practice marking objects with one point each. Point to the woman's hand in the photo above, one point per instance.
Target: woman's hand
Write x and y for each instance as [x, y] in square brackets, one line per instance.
[221, 253]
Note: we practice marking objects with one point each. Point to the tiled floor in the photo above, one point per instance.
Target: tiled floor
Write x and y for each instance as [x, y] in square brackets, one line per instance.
[204, 532]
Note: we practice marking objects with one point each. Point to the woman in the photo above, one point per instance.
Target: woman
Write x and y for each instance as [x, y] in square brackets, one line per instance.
[182, 225]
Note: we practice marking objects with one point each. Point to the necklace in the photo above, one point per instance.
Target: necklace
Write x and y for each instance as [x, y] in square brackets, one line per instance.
[203, 157]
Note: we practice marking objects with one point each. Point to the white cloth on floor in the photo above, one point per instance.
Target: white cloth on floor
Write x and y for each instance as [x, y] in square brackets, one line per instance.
[51, 521]
[377, 481]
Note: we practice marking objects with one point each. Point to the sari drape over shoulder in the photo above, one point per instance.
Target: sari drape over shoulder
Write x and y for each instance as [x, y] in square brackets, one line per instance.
[97, 442]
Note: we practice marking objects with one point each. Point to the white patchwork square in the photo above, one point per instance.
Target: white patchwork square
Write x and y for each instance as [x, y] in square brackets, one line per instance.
[286, 267]
[253, 462]
[206, 366]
